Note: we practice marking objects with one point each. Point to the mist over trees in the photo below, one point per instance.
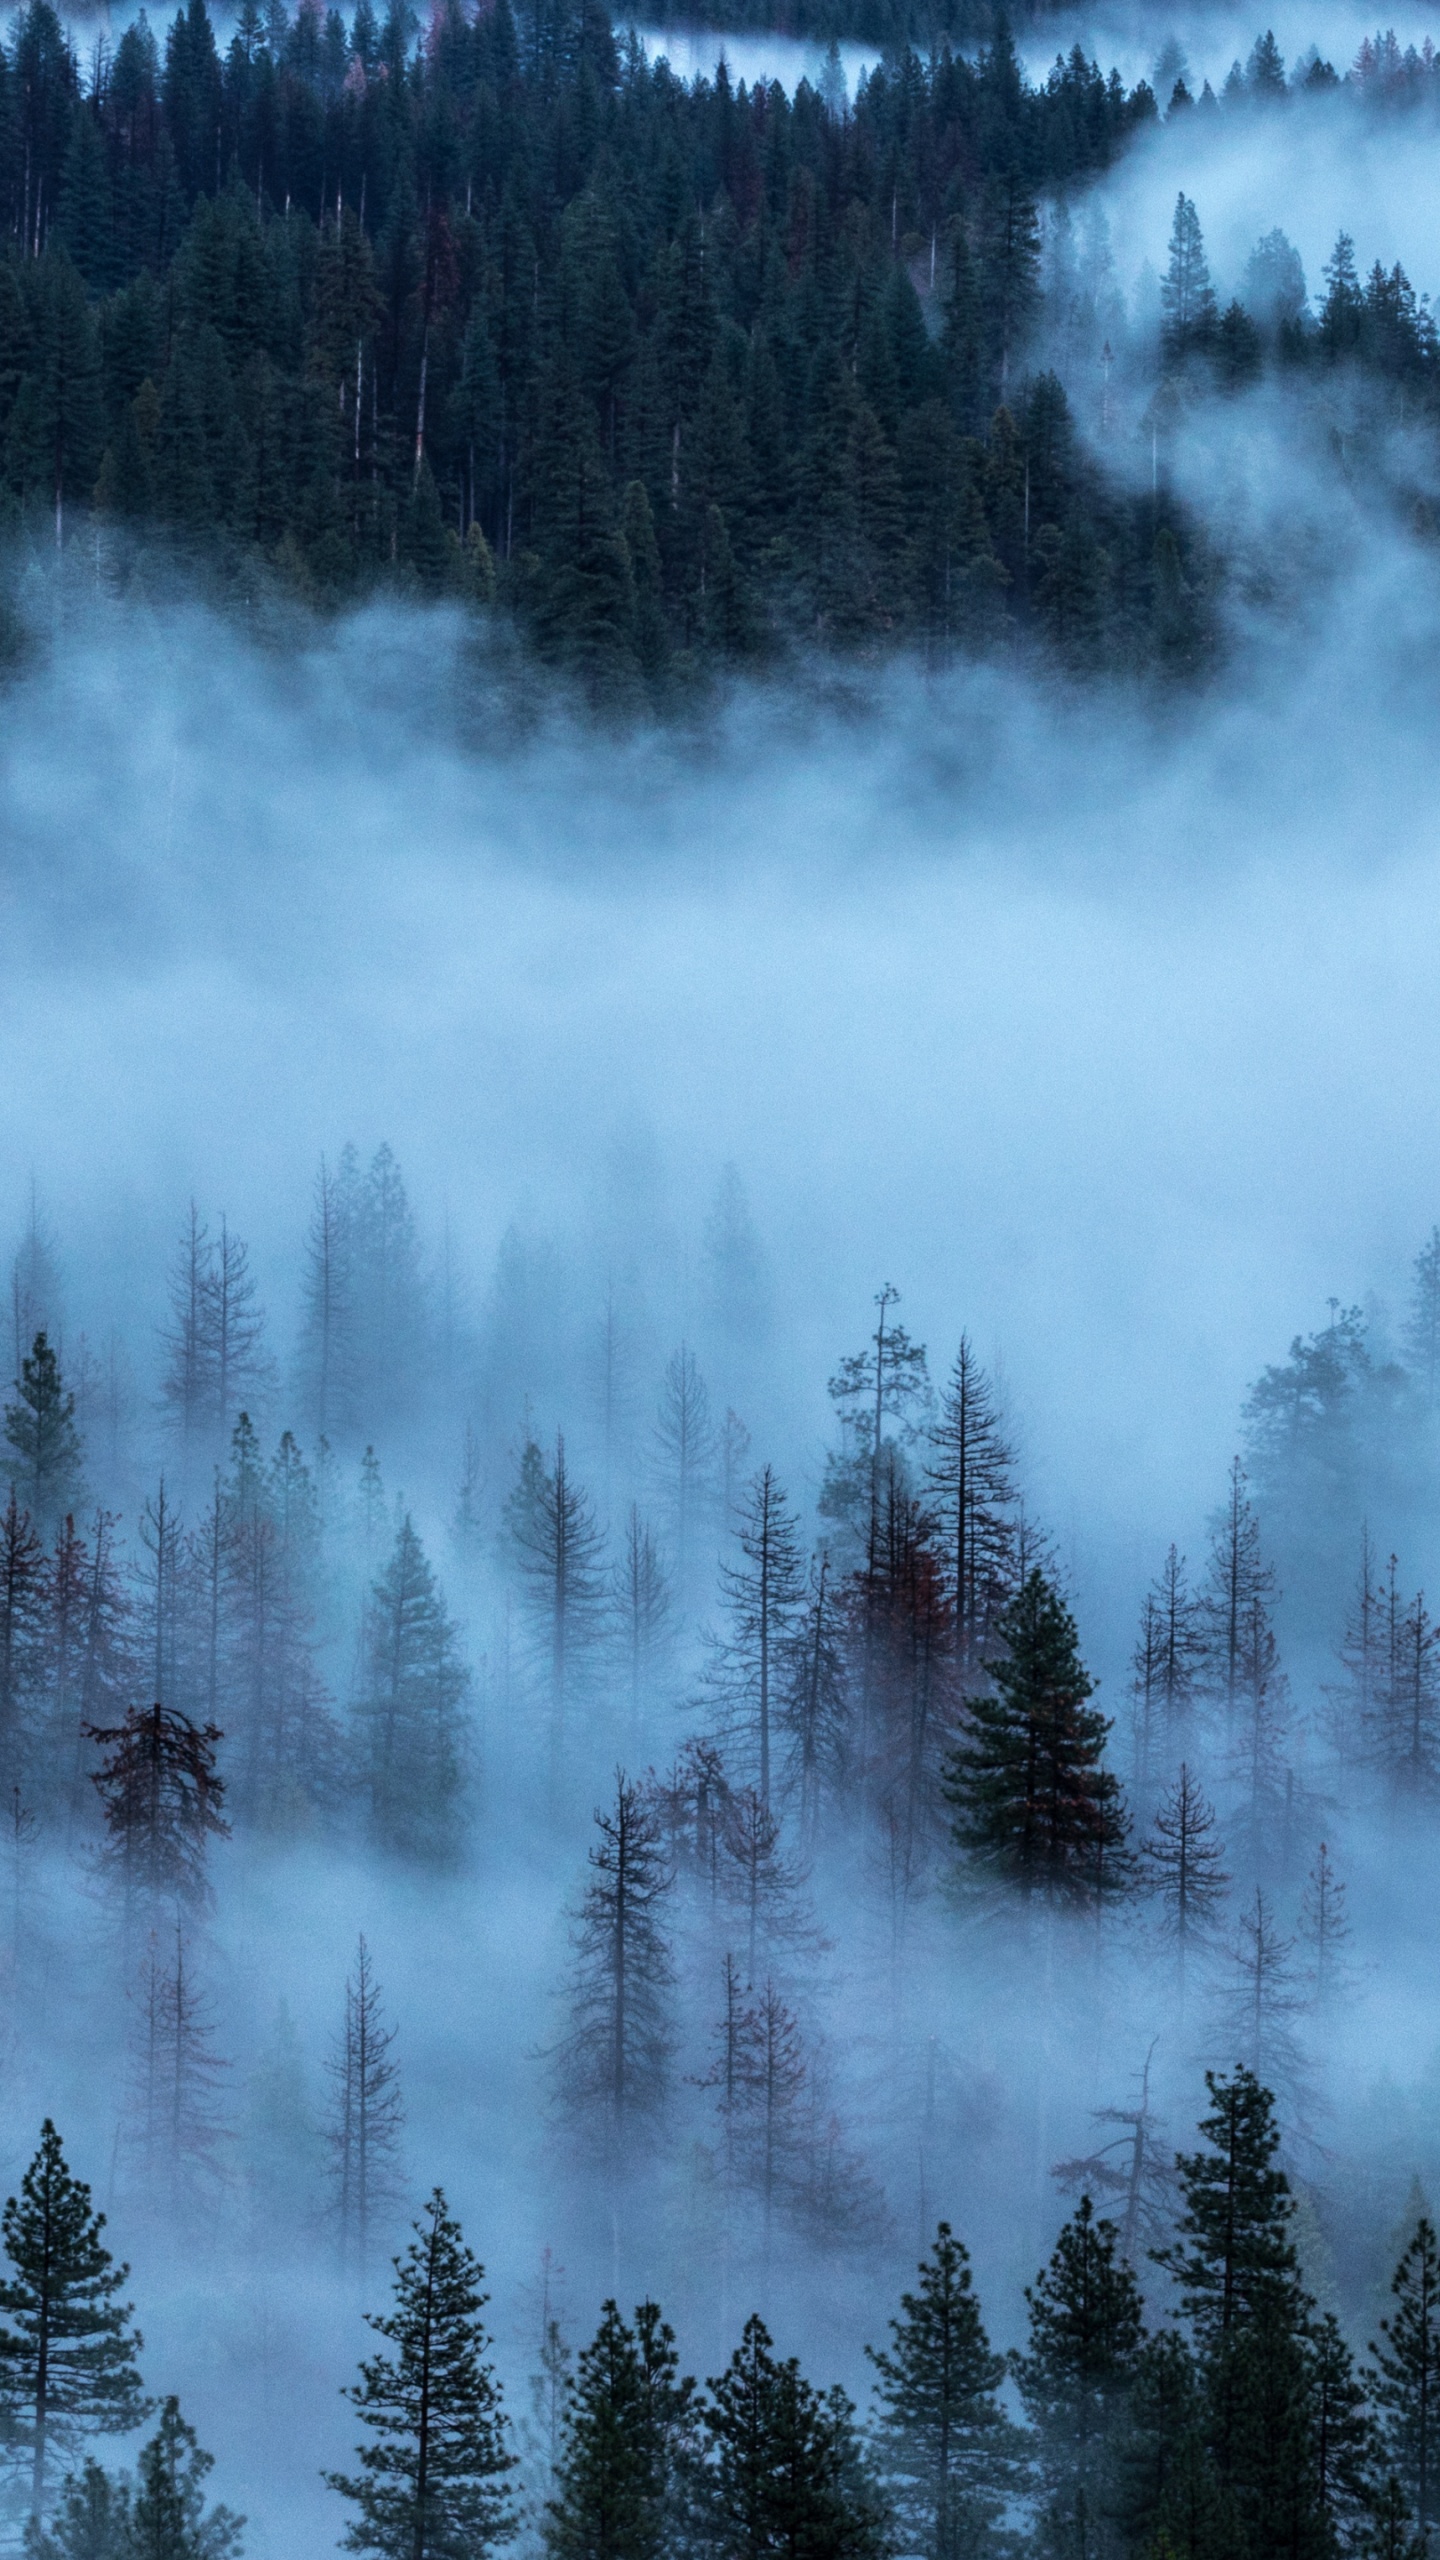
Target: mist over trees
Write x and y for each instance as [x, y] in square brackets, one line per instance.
[751, 1754]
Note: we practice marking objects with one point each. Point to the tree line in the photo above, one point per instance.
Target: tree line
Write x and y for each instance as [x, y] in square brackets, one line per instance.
[669, 377]
[1239, 2424]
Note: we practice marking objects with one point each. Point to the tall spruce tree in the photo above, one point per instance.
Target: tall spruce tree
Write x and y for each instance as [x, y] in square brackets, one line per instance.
[168, 2518]
[432, 2479]
[366, 2118]
[614, 2062]
[748, 1675]
[941, 2443]
[68, 2351]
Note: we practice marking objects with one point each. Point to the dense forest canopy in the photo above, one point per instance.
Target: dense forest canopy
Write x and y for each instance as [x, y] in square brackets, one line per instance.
[669, 377]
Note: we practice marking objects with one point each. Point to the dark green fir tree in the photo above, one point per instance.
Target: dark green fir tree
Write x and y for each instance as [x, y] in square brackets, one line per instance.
[1076, 2377]
[42, 1444]
[942, 2445]
[627, 2445]
[68, 2351]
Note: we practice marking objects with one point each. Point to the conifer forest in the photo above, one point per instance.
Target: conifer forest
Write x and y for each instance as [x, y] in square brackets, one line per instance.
[719, 1282]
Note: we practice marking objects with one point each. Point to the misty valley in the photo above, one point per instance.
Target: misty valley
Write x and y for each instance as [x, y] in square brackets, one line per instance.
[430, 1842]
[720, 1394]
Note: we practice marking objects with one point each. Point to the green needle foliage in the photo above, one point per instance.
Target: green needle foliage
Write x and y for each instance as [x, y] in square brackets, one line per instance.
[432, 2478]
[68, 2353]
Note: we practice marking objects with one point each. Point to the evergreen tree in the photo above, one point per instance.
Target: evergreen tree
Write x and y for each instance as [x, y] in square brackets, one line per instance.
[972, 1477]
[614, 2061]
[942, 2446]
[1034, 1804]
[168, 2518]
[1422, 1329]
[1076, 2376]
[1405, 2382]
[44, 1446]
[67, 2349]
[685, 1454]
[783, 2475]
[161, 1795]
[22, 1631]
[558, 1549]
[1187, 297]
[1182, 1860]
[366, 2117]
[750, 1662]
[412, 1708]
[626, 2446]
[432, 2478]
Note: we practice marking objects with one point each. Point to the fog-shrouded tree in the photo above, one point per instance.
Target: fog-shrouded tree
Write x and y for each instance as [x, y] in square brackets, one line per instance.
[785, 2474]
[176, 2138]
[411, 1708]
[22, 1632]
[1355, 1699]
[1259, 1997]
[216, 1362]
[942, 2445]
[433, 2475]
[89, 1652]
[882, 1400]
[1165, 1666]
[762, 1886]
[1075, 2374]
[1187, 297]
[1183, 1867]
[68, 2349]
[365, 2118]
[1035, 1806]
[642, 1620]
[971, 1477]
[1132, 2168]
[1405, 2380]
[749, 1676]
[168, 2518]
[627, 2445]
[1422, 1324]
[736, 1282]
[327, 1360]
[558, 1550]
[1239, 1587]
[161, 1796]
[614, 2059]
[685, 1449]
[36, 1294]
[816, 1714]
[1325, 1931]
[43, 1456]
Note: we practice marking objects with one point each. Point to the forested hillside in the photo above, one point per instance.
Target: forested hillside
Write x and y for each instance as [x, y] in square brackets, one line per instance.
[667, 377]
[790, 1762]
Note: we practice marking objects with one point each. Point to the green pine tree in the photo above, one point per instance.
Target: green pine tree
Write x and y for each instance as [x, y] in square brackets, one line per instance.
[432, 2479]
[67, 2350]
[627, 2435]
[784, 2476]
[168, 2518]
[1035, 1805]
[44, 1447]
[942, 2445]
[1405, 2384]
[412, 1707]
[1075, 2378]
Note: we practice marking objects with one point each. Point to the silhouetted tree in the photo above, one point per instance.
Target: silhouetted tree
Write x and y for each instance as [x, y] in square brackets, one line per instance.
[67, 2348]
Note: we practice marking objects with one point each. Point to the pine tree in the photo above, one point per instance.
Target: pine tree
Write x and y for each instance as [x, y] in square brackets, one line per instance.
[1182, 1861]
[176, 2133]
[882, 1397]
[168, 2518]
[1325, 1930]
[1422, 1329]
[432, 2480]
[1234, 2250]
[45, 1453]
[1076, 2376]
[942, 2445]
[1238, 1588]
[558, 1549]
[1187, 297]
[614, 2062]
[1166, 1662]
[1405, 2382]
[328, 1349]
[67, 2349]
[972, 1477]
[366, 2117]
[684, 1457]
[784, 2475]
[1034, 1804]
[751, 1659]
[412, 1708]
[627, 2443]
[817, 1710]
[22, 1631]
[90, 2519]
[161, 1795]
[640, 1601]
[1259, 1997]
